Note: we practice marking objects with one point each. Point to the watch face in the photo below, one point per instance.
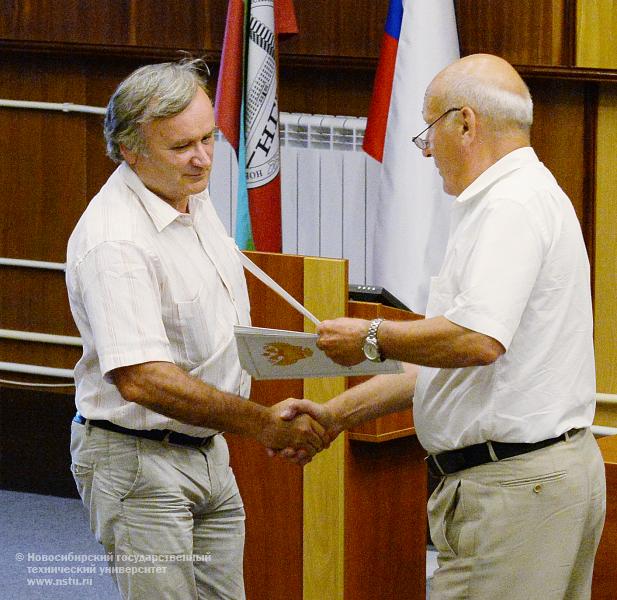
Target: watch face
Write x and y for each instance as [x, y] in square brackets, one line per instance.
[370, 350]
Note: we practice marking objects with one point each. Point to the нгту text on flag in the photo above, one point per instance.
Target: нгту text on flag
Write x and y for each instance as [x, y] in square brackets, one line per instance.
[246, 109]
[412, 221]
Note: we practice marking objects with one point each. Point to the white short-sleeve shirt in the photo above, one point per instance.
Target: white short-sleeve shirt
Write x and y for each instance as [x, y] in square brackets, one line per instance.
[147, 283]
[515, 269]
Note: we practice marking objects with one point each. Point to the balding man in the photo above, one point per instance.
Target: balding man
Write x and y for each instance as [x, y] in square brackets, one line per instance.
[505, 393]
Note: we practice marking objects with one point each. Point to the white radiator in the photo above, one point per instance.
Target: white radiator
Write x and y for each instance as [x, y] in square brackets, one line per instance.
[329, 185]
[329, 189]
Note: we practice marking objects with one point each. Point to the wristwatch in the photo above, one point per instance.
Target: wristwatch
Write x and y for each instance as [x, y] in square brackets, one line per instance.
[370, 345]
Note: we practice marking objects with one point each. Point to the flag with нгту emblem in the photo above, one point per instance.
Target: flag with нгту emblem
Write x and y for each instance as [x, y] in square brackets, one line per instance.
[247, 114]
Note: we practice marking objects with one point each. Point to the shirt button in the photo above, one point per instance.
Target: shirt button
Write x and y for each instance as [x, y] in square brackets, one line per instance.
[537, 488]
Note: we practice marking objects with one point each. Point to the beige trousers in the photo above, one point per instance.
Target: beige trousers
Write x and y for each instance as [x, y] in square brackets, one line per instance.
[170, 517]
[525, 528]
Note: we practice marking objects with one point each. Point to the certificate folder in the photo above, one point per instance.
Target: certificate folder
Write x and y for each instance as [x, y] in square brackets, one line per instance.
[281, 354]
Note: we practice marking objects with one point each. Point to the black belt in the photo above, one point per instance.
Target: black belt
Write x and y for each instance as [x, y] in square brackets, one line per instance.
[172, 437]
[479, 454]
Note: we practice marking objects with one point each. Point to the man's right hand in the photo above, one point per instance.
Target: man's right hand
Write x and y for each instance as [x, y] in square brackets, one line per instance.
[293, 410]
[303, 434]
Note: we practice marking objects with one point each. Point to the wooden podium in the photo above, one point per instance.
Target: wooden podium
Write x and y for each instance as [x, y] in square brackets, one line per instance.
[351, 525]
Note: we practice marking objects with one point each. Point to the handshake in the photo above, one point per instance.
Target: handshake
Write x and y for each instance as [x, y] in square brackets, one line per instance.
[299, 429]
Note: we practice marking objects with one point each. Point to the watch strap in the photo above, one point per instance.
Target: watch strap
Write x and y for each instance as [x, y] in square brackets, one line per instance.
[371, 336]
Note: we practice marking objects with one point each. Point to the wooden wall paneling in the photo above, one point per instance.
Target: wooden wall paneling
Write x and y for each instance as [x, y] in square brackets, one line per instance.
[559, 136]
[605, 414]
[328, 91]
[605, 331]
[187, 24]
[588, 223]
[568, 33]
[59, 21]
[351, 28]
[99, 165]
[271, 488]
[42, 184]
[103, 76]
[604, 581]
[524, 32]
[34, 353]
[43, 176]
[171, 23]
[596, 23]
[346, 28]
[34, 300]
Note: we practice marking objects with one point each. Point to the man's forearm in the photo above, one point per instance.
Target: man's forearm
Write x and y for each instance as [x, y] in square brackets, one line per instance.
[167, 389]
[437, 342]
[381, 395]
[434, 342]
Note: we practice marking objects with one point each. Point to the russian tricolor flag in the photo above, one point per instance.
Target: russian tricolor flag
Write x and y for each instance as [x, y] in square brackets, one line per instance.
[413, 214]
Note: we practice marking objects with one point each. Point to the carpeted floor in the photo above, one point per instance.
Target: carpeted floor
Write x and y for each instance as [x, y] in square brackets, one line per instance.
[47, 551]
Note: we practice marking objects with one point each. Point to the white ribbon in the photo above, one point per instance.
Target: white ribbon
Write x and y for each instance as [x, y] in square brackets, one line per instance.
[249, 265]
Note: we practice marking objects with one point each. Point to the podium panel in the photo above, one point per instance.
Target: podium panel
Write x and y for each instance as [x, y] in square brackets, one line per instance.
[351, 525]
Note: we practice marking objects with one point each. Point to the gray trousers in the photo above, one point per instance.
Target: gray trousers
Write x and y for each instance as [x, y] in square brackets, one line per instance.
[170, 517]
[523, 528]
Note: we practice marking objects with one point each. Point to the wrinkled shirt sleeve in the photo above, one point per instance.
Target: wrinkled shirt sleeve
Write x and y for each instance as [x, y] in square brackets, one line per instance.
[122, 301]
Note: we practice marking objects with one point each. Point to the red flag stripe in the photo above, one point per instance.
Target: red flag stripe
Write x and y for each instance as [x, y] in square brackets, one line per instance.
[265, 211]
[231, 75]
[377, 121]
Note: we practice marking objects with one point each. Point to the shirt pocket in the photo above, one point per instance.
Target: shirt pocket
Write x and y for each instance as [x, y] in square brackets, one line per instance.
[194, 330]
[440, 297]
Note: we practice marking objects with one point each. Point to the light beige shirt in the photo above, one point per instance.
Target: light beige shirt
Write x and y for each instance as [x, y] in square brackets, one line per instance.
[515, 269]
[147, 283]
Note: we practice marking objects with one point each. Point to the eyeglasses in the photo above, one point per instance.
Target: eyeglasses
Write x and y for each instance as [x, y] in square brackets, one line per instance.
[422, 143]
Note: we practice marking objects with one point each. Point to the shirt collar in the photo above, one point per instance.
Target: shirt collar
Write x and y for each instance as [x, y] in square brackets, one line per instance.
[510, 162]
[161, 212]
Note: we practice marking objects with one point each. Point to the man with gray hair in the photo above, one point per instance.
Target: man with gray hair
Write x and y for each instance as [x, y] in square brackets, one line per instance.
[505, 393]
[155, 287]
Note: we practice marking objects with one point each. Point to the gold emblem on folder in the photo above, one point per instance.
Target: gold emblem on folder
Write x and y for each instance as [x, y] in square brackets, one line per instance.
[281, 354]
